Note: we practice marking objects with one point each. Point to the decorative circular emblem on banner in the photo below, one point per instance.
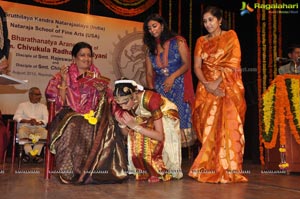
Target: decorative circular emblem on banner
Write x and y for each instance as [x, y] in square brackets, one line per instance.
[128, 7]
[52, 2]
[128, 57]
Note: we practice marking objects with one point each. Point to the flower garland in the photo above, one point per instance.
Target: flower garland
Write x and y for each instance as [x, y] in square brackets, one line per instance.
[293, 112]
[284, 165]
[179, 17]
[274, 46]
[268, 113]
[90, 117]
[279, 24]
[280, 106]
[259, 82]
[128, 8]
[170, 14]
[53, 2]
[270, 48]
[190, 23]
[268, 28]
[280, 103]
[264, 48]
[34, 138]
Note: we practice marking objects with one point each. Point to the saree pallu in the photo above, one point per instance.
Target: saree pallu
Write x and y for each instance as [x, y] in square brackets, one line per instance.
[219, 120]
[148, 157]
[87, 153]
[80, 97]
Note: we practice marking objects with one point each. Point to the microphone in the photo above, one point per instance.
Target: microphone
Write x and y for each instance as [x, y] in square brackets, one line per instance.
[282, 59]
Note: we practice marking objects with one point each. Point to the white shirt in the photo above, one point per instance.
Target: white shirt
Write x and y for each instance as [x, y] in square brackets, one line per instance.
[28, 110]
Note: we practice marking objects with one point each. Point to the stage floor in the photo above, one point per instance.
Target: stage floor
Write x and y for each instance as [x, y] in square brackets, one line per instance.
[261, 185]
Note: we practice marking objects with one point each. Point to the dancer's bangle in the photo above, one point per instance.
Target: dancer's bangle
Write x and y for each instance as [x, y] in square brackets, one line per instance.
[205, 83]
[122, 126]
[137, 128]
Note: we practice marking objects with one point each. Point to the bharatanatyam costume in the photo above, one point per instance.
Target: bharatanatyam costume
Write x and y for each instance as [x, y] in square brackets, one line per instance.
[218, 121]
[87, 146]
[148, 157]
[182, 92]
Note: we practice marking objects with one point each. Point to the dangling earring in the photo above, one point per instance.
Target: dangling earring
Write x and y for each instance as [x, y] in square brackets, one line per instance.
[135, 102]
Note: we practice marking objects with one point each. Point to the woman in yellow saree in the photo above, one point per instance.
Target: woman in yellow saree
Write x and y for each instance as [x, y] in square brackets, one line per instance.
[219, 110]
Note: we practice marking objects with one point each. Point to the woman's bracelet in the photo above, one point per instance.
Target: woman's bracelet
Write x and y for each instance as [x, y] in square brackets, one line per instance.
[62, 87]
[205, 82]
[122, 126]
[137, 128]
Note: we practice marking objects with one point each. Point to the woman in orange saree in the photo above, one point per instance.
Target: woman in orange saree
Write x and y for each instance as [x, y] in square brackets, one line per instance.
[219, 110]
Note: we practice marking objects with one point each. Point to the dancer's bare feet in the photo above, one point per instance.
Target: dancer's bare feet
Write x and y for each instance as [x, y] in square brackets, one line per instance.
[153, 179]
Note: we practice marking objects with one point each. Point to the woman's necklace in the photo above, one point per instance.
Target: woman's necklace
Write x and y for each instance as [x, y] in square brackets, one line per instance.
[163, 64]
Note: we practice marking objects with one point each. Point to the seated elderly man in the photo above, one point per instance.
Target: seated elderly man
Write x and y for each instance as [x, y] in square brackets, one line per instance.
[32, 118]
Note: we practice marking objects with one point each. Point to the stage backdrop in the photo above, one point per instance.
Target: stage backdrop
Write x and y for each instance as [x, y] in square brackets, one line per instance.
[42, 40]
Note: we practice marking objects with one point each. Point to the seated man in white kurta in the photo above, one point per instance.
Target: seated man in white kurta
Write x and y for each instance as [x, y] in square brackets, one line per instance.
[32, 118]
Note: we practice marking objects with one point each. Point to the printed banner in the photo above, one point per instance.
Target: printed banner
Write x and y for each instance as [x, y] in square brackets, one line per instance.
[42, 40]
